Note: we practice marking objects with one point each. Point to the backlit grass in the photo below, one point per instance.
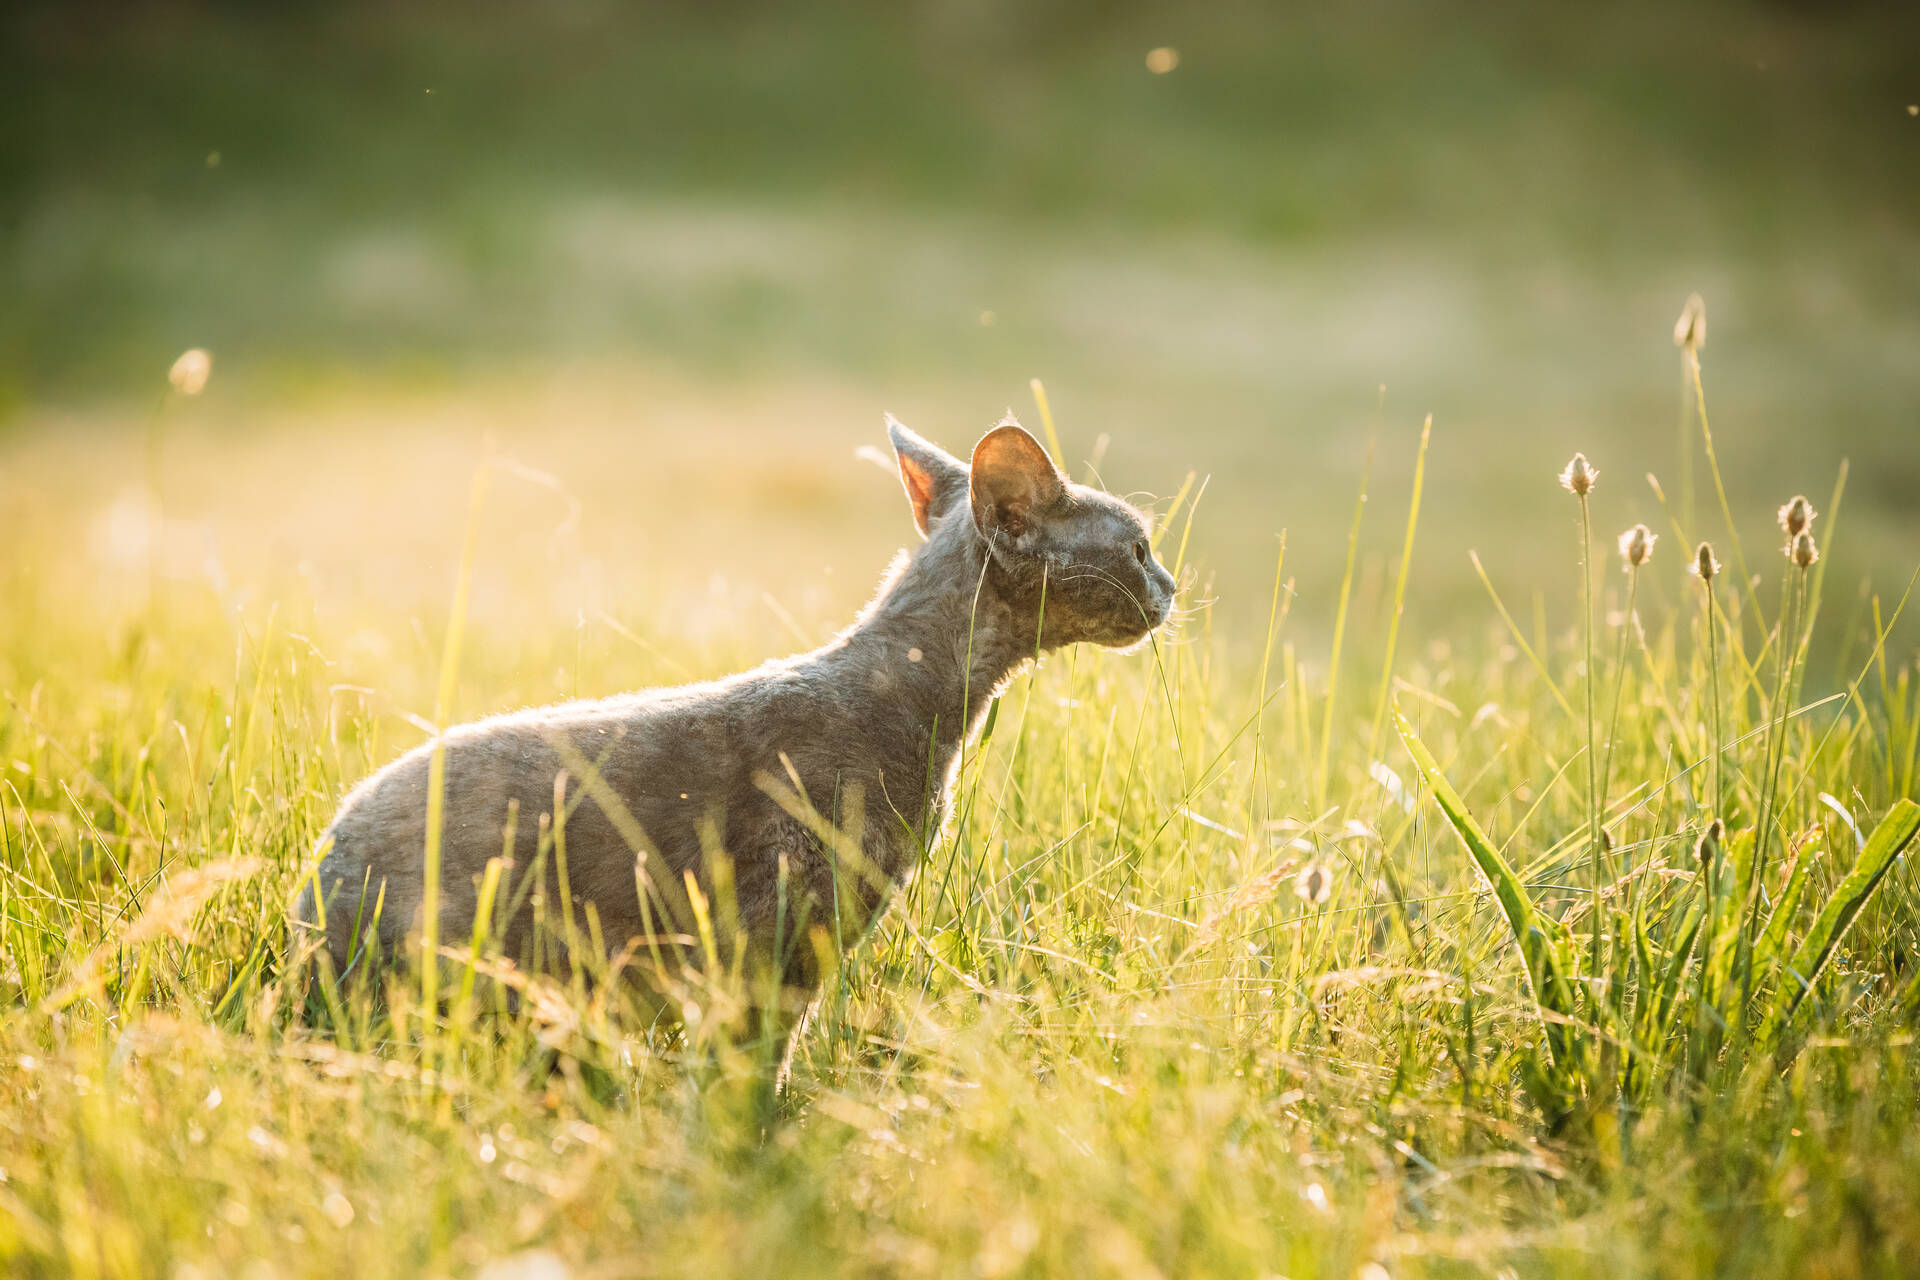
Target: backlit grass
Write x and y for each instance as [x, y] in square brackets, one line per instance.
[1208, 979]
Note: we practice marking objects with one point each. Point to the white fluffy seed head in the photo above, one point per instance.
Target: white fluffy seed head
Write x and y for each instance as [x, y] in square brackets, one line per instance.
[1636, 545]
[1580, 476]
[1797, 517]
[1690, 330]
[1704, 566]
[190, 372]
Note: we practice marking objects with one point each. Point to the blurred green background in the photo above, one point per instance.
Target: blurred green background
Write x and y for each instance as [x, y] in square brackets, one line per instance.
[682, 257]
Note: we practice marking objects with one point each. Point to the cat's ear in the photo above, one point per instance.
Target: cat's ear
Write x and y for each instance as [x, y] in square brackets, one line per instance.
[933, 478]
[1013, 483]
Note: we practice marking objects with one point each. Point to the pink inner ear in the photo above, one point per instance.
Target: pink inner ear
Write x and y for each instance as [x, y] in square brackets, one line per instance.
[919, 486]
[1012, 475]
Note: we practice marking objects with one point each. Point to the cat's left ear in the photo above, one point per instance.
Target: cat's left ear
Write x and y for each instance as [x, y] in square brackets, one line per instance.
[933, 478]
[1014, 483]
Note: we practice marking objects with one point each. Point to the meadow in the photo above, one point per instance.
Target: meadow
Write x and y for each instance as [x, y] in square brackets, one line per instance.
[1442, 894]
[1224, 969]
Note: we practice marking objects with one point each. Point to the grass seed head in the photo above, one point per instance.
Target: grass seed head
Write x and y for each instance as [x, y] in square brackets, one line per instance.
[190, 372]
[1580, 476]
[1690, 330]
[1636, 545]
[1707, 848]
[1704, 566]
[1802, 551]
[1797, 517]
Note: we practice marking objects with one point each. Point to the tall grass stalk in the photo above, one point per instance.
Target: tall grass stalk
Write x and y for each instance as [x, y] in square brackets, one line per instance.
[1338, 645]
[1689, 334]
[1399, 604]
[1692, 358]
[1636, 548]
[1780, 710]
[443, 701]
[1706, 568]
[1519, 637]
[1046, 424]
[1257, 774]
[1579, 479]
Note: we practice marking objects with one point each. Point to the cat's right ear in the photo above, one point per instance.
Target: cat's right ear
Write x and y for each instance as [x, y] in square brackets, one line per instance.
[933, 478]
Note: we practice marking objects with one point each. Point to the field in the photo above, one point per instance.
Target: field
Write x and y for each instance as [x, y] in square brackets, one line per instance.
[1282, 948]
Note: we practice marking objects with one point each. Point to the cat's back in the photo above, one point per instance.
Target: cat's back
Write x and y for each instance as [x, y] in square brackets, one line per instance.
[663, 757]
[518, 755]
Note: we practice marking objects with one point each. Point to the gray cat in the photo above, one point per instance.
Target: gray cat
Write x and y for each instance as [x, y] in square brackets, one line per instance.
[797, 795]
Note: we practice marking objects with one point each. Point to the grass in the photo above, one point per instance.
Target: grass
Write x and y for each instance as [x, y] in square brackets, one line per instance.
[1213, 976]
[1285, 949]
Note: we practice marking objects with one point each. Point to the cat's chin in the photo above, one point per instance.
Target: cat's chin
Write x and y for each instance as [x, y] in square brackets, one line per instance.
[1127, 642]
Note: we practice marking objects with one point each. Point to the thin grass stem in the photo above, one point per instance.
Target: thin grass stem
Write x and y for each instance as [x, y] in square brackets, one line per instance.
[1320, 773]
[1597, 871]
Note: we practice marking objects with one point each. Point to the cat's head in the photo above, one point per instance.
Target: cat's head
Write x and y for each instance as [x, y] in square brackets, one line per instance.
[1081, 560]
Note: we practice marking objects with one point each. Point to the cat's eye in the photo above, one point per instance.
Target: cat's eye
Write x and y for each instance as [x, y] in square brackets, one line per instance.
[1140, 552]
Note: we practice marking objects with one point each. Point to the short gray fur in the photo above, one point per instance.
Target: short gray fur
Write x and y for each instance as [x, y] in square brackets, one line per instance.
[1016, 560]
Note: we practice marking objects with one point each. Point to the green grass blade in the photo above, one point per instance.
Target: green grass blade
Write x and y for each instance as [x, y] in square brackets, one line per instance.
[1400, 595]
[1773, 938]
[1320, 774]
[1667, 999]
[1520, 637]
[1895, 832]
[1546, 967]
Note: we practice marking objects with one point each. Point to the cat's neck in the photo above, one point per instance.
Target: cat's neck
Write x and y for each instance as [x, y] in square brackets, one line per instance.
[938, 642]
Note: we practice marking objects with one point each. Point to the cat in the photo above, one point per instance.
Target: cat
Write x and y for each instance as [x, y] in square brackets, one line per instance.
[821, 778]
